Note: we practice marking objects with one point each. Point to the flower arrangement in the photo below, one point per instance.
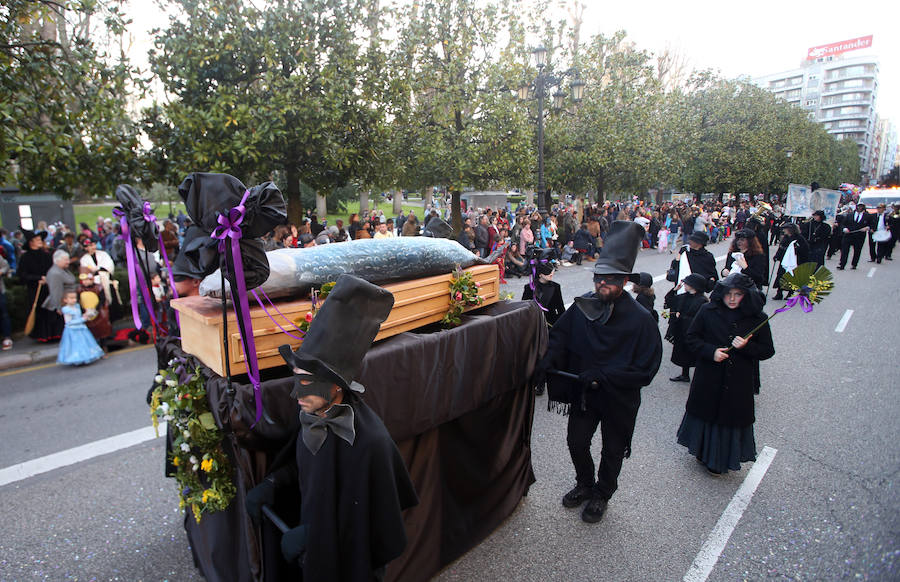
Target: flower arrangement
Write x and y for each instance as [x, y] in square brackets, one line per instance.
[316, 298]
[202, 470]
[463, 293]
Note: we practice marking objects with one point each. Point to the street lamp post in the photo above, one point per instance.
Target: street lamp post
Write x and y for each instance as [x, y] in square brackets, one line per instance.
[541, 82]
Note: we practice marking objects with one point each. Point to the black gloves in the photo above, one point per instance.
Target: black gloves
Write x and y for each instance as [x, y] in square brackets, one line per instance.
[262, 494]
[293, 542]
[592, 378]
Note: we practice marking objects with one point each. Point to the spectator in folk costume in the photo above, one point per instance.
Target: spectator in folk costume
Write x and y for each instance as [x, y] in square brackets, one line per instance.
[78, 346]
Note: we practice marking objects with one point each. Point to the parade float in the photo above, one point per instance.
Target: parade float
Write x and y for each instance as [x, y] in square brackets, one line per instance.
[448, 374]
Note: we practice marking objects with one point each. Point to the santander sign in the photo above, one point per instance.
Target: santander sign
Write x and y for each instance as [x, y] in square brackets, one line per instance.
[836, 48]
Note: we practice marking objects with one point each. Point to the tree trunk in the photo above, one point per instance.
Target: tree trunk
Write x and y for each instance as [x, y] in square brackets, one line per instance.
[321, 207]
[363, 202]
[398, 202]
[427, 197]
[292, 196]
[579, 210]
[529, 197]
[455, 212]
[601, 195]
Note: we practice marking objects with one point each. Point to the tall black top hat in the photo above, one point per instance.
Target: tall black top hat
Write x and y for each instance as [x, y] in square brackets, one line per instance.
[342, 332]
[620, 249]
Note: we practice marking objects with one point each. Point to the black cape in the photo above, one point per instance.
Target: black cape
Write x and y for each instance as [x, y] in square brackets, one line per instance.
[682, 309]
[624, 354]
[549, 295]
[351, 500]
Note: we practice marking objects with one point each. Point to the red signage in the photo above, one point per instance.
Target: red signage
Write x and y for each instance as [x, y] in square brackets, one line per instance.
[836, 48]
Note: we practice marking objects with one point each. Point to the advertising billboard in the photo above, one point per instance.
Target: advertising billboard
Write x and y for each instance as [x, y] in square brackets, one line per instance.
[836, 48]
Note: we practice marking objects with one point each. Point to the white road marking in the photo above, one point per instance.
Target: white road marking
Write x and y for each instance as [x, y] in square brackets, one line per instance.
[871, 272]
[709, 554]
[78, 454]
[842, 324]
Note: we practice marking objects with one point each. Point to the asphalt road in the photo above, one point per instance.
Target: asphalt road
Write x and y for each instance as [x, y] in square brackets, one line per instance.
[826, 508]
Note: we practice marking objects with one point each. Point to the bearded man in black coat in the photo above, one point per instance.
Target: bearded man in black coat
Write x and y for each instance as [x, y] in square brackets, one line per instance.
[352, 483]
[613, 346]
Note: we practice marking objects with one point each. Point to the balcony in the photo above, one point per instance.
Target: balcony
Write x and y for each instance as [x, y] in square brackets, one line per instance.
[827, 91]
[866, 102]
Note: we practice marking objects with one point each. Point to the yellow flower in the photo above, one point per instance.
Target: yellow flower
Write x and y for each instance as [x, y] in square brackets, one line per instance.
[206, 465]
[176, 461]
[205, 497]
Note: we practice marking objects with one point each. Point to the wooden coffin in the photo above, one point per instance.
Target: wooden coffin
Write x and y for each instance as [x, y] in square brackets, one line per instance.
[417, 302]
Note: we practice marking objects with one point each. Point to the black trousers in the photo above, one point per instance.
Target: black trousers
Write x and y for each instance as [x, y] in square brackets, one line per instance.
[582, 426]
[851, 241]
[817, 255]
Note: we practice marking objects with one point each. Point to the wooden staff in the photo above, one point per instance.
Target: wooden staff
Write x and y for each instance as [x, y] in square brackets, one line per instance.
[29, 323]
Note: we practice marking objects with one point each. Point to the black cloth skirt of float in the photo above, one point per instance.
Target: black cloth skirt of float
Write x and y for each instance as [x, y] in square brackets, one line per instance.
[718, 447]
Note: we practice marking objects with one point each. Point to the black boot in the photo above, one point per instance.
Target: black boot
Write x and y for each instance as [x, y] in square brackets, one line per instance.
[577, 496]
[594, 510]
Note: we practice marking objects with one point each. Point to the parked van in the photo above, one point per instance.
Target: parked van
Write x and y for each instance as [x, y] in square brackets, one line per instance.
[872, 197]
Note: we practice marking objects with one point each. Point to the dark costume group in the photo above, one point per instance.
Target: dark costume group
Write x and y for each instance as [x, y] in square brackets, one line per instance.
[34, 264]
[682, 309]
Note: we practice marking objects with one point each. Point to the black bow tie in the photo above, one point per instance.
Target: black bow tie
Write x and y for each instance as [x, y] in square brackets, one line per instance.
[339, 419]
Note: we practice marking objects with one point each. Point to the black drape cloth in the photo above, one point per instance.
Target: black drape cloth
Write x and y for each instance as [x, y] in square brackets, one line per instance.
[457, 403]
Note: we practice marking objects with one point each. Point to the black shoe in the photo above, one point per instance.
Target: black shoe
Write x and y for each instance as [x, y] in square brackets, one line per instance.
[871, 260]
[878, 261]
[577, 496]
[853, 267]
[840, 268]
[594, 510]
[539, 390]
[888, 258]
[779, 297]
[680, 378]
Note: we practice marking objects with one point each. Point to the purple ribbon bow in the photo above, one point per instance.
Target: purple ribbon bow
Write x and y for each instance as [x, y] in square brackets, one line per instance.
[803, 300]
[230, 228]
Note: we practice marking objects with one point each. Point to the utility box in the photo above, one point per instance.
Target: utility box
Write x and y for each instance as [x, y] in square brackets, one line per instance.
[28, 210]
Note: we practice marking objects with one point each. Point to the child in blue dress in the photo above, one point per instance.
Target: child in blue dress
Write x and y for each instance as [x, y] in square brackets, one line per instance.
[78, 345]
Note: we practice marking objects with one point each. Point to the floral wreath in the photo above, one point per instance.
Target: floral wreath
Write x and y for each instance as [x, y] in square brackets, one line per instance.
[202, 470]
[463, 293]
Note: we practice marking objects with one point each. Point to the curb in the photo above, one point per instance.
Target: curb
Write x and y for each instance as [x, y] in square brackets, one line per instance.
[11, 361]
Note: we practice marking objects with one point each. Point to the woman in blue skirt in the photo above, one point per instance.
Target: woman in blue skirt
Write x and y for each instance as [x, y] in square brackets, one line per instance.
[717, 427]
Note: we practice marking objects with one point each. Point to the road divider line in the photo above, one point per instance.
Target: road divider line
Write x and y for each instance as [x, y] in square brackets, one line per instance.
[78, 454]
[871, 273]
[842, 324]
[712, 549]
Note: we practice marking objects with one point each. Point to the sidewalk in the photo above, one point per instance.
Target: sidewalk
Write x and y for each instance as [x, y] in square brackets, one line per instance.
[27, 352]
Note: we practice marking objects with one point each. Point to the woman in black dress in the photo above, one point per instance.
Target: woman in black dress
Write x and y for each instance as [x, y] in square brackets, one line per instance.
[682, 309]
[547, 292]
[717, 426]
[750, 257]
[32, 269]
[801, 250]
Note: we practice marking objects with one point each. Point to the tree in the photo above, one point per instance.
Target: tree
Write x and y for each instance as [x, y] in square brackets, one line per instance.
[459, 125]
[291, 89]
[64, 108]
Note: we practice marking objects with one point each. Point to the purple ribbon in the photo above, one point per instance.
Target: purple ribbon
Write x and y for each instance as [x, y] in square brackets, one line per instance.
[230, 228]
[135, 275]
[149, 217]
[803, 300]
[531, 282]
[286, 332]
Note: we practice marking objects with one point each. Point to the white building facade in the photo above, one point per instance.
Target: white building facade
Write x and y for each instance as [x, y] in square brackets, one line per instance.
[839, 92]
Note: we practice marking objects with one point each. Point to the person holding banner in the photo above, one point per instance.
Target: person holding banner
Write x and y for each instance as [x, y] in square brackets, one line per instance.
[792, 251]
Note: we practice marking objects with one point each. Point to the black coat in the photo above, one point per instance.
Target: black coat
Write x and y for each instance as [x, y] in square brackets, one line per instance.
[648, 303]
[351, 500]
[801, 249]
[703, 263]
[722, 393]
[549, 296]
[817, 234]
[682, 309]
[621, 356]
[757, 267]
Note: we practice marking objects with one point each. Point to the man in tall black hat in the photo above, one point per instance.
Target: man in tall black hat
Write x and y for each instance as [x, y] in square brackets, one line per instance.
[352, 482]
[613, 345]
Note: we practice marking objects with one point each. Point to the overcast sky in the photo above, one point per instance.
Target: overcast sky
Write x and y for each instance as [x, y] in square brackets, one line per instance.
[737, 38]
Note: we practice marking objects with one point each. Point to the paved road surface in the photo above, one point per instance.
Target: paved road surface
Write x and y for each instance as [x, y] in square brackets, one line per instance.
[825, 509]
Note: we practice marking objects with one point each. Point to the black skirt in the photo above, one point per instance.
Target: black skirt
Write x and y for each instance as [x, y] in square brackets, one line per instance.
[718, 447]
